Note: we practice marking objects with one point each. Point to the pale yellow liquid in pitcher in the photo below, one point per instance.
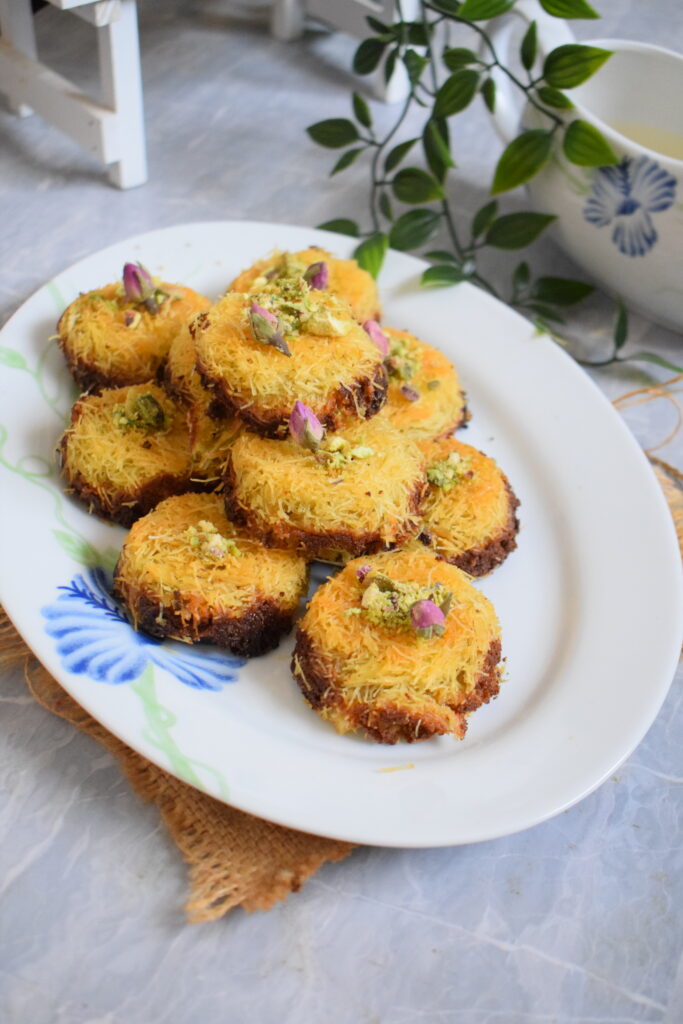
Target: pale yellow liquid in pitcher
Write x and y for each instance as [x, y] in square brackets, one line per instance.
[660, 139]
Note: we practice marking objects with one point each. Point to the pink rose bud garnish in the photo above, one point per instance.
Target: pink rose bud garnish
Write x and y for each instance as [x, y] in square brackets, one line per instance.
[362, 572]
[316, 275]
[137, 282]
[305, 427]
[377, 335]
[410, 393]
[427, 619]
[265, 328]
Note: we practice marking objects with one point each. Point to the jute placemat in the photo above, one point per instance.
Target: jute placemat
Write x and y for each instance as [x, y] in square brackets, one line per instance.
[234, 859]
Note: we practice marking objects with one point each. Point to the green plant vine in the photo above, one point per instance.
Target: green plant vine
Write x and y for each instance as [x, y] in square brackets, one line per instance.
[444, 80]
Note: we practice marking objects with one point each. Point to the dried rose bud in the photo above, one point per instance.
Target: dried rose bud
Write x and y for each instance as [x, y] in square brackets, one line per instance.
[316, 275]
[137, 282]
[305, 427]
[427, 619]
[410, 393]
[362, 572]
[265, 328]
[377, 335]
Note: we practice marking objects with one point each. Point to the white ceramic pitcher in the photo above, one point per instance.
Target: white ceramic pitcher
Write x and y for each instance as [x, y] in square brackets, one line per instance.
[624, 223]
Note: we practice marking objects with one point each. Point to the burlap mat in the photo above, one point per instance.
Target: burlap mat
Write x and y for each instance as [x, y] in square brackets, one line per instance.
[234, 859]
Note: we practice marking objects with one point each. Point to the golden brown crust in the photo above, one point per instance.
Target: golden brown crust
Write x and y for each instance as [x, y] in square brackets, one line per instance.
[481, 560]
[256, 630]
[389, 723]
[363, 399]
[125, 508]
[314, 543]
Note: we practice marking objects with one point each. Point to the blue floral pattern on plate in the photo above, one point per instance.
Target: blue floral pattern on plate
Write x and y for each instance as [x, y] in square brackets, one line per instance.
[94, 638]
[625, 195]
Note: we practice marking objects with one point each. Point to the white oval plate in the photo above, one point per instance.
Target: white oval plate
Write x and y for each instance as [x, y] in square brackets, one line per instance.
[590, 603]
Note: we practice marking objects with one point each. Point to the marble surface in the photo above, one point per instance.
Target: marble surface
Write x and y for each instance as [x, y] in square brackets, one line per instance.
[575, 920]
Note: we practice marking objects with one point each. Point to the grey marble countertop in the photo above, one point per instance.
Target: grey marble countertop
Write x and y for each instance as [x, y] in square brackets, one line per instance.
[576, 920]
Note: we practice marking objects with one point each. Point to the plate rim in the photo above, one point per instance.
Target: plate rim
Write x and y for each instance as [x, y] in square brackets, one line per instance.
[565, 360]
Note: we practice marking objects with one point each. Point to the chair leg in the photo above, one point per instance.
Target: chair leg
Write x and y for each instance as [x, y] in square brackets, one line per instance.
[287, 20]
[119, 52]
[16, 28]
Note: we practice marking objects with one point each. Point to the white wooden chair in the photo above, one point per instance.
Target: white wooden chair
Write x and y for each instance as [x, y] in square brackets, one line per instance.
[288, 17]
[113, 130]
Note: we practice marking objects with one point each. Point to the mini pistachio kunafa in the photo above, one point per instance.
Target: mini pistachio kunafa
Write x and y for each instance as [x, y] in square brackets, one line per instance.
[261, 352]
[470, 516]
[331, 496]
[399, 646]
[120, 334]
[125, 450]
[186, 573]
[424, 398]
[323, 271]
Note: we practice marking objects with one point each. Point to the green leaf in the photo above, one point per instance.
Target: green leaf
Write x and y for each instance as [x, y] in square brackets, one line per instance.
[385, 206]
[456, 93]
[379, 27]
[459, 57]
[523, 158]
[569, 9]
[484, 217]
[521, 275]
[621, 326]
[515, 230]
[342, 226]
[346, 159]
[441, 276]
[488, 91]
[651, 357]
[368, 55]
[370, 253]
[397, 154]
[414, 33]
[414, 64]
[554, 98]
[361, 111]
[587, 146]
[572, 64]
[529, 47]
[76, 548]
[10, 357]
[435, 144]
[335, 133]
[482, 10]
[413, 185]
[413, 229]
[390, 64]
[441, 256]
[548, 312]
[561, 291]
[447, 6]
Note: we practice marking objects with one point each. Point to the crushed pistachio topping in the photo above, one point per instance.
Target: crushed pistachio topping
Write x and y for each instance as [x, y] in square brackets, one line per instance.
[403, 361]
[397, 605]
[290, 296]
[432, 385]
[448, 472]
[412, 394]
[206, 541]
[140, 412]
[335, 452]
[132, 318]
[139, 287]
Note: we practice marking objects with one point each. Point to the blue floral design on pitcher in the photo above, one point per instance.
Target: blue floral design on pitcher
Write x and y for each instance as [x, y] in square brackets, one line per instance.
[95, 639]
[625, 195]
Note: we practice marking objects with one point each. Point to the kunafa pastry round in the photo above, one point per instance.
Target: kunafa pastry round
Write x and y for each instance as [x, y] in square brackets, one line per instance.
[424, 399]
[332, 496]
[261, 352]
[210, 443]
[470, 516]
[186, 573]
[399, 646]
[324, 271]
[125, 450]
[120, 334]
